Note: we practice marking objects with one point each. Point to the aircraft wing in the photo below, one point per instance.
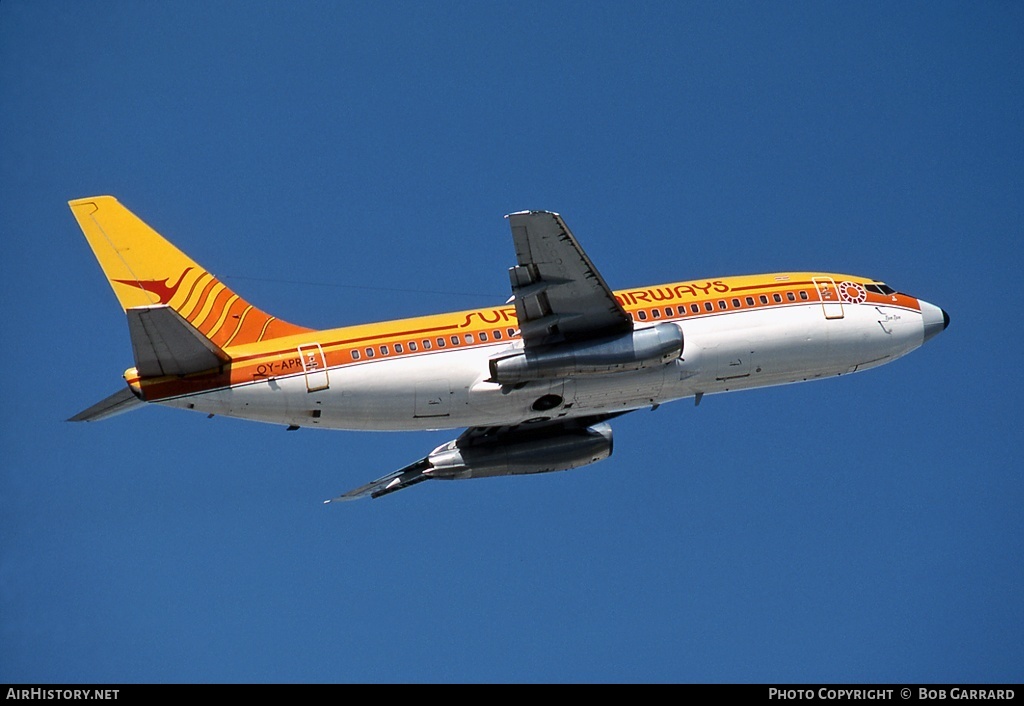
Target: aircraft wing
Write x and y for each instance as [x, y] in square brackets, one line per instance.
[513, 433]
[520, 449]
[559, 294]
[560, 297]
[392, 482]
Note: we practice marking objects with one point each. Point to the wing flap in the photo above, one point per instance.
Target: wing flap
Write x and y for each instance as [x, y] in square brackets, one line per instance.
[559, 295]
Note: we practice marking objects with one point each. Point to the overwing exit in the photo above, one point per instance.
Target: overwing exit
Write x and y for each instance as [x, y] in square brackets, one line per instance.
[534, 382]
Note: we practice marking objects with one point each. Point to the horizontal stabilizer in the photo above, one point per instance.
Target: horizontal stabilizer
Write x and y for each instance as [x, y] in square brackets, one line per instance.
[165, 343]
[398, 480]
[118, 403]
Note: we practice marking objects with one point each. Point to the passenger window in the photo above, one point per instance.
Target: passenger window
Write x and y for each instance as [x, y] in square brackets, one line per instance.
[777, 297]
[681, 309]
[511, 333]
[803, 295]
[750, 301]
[694, 308]
[426, 344]
[454, 340]
[412, 345]
[656, 313]
[642, 315]
[497, 335]
[735, 303]
[483, 336]
[383, 350]
[790, 296]
[708, 306]
[399, 348]
[440, 343]
[369, 352]
[763, 298]
[468, 337]
[668, 311]
[722, 304]
[355, 355]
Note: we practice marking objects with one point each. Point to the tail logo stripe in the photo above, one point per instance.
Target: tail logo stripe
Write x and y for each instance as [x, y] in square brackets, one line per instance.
[225, 310]
[200, 303]
[146, 270]
[238, 326]
[212, 308]
[160, 288]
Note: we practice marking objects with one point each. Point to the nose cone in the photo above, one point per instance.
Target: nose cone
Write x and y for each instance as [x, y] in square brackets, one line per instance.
[935, 320]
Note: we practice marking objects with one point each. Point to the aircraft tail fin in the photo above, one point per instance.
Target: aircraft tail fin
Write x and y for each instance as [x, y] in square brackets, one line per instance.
[146, 272]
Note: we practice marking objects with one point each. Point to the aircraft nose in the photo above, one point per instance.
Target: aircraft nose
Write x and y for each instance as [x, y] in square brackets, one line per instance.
[935, 320]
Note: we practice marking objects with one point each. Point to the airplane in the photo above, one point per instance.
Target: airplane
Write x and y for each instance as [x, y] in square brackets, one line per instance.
[534, 382]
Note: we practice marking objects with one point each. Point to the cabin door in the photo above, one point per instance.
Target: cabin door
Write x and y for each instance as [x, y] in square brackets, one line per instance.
[315, 366]
[831, 305]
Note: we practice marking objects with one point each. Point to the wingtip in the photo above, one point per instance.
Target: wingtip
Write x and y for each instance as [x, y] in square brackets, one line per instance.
[343, 499]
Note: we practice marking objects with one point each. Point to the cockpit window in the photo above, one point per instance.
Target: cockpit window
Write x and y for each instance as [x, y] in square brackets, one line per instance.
[879, 288]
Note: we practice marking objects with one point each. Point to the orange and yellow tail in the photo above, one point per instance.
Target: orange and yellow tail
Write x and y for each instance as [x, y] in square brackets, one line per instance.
[145, 270]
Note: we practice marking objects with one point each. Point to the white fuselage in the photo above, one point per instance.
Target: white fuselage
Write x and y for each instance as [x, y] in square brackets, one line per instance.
[440, 389]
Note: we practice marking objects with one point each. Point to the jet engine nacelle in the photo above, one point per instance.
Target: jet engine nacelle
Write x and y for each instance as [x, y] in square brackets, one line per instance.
[541, 454]
[635, 350]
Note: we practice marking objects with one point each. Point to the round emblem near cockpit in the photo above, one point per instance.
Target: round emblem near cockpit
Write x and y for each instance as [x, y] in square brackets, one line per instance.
[852, 292]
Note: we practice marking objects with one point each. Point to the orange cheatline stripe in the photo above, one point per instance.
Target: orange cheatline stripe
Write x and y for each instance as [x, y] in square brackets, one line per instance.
[273, 328]
[243, 371]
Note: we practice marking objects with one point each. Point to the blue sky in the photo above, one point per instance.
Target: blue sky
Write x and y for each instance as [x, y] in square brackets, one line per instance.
[339, 163]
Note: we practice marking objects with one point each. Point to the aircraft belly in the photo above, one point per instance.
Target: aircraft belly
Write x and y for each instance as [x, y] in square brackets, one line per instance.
[621, 391]
[581, 395]
[275, 400]
[426, 392]
[422, 392]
